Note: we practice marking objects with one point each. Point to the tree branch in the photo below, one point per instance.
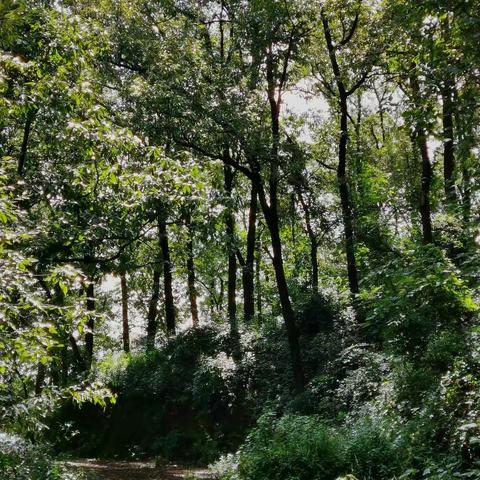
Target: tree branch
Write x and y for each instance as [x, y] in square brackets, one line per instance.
[351, 32]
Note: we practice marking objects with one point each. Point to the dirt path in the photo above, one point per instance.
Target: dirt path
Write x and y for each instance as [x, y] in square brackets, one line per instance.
[104, 470]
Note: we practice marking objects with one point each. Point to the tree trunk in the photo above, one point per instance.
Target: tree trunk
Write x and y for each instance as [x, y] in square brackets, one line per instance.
[192, 291]
[64, 366]
[152, 324]
[426, 180]
[76, 353]
[90, 323]
[347, 216]
[448, 144]
[466, 194]
[125, 326]
[167, 273]
[313, 244]
[248, 268]
[232, 262]
[24, 148]
[258, 266]
[270, 213]
[271, 218]
[314, 263]
[40, 378]
[448, 92]
[221, 294]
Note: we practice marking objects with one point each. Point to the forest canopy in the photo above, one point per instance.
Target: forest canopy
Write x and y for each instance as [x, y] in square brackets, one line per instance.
[242, 233]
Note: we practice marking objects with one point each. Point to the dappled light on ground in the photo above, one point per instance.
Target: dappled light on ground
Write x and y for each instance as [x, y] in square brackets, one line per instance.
[110, 470]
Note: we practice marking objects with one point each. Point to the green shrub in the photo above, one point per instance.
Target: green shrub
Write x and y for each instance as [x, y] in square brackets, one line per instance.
[412, 299]
[292, 447]
[442, 350]
[226, 467]
[373, 450]
[21, 460]
[303, 448]
[181, 402]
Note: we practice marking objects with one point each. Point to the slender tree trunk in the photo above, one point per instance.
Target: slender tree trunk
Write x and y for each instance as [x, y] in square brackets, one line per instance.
[125, 325]
[76, 353]
[314, 263]
[465, 145]
[24, 148]
[64, 366]
[220, 295]
[192, 290]
[293, 230]
[448, 143]
[448, 94]
[229, 224]
[347, 215]
[270, 213]
[425, 211]
[426, 180]
[258, 266]
[381, 111]
[55, 371]
[467, 197]
[167, 274]
[271, 218]
[466, 194]
[40, 378]
[90, 291]
[232, 261]
[313, 244]
[152, 323]
[248, 268]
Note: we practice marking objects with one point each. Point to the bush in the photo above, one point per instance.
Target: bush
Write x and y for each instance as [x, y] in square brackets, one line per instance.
[226, 467]
[21, 460]
[419, 296]
[374, 450]
[292, 447]
[181, 402]
[303, 448]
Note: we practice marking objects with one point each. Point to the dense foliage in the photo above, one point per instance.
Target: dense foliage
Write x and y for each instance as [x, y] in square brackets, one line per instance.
[242, 233]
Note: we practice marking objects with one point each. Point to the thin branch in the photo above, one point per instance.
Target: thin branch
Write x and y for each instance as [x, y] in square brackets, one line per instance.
[350, 34]
[128, 66]
[323, 164]
[240, 258]
[283, 77]
[359, 83]
[227, 159]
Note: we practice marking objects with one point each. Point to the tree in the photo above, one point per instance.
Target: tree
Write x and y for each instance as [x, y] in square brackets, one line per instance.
[335, 85]
[192, 289]
[125, 323]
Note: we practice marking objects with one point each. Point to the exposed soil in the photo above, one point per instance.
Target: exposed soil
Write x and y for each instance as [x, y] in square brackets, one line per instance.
[106, 470]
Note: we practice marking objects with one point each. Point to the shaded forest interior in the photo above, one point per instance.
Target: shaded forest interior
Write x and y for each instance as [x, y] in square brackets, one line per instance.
[240, 233]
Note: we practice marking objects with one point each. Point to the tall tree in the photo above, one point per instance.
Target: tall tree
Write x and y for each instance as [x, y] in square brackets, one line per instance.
[342, 92]
[90, 324]
[248, 267]
[192, 289]
[167, 270]
[125, 323]
[420, 140]
[313, 241]
[231, 250]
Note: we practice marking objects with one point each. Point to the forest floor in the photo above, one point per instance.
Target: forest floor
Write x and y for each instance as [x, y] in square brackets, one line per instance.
[111, 470]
